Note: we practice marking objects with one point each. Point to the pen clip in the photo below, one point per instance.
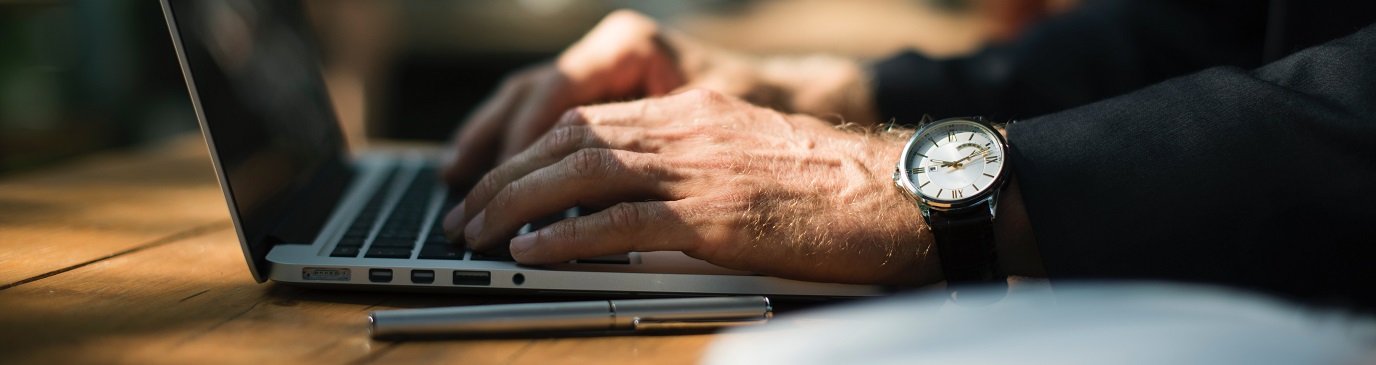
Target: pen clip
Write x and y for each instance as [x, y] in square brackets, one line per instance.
[646, 324]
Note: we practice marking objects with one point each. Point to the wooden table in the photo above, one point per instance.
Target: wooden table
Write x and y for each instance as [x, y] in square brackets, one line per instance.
[130, 257]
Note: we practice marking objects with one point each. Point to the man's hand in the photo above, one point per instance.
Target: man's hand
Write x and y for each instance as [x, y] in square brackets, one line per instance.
[629, 56]
[722, 180]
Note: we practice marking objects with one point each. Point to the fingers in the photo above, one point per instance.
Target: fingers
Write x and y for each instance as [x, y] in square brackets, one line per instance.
[638, 126]
[623, 57]
[684, 107]
[475, 143]
[586, 177]
[619, 59]
[553, 147]
[625, 227]
[639, 113]
[540, 110]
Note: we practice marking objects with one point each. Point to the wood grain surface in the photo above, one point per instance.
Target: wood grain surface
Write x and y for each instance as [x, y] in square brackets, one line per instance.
[130, 258]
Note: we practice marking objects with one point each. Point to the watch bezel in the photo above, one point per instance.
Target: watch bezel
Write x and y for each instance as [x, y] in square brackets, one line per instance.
[905, 182]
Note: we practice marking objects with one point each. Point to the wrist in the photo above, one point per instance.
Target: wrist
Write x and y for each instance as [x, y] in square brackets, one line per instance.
[903, 218]
[829, 87]
[972, 234]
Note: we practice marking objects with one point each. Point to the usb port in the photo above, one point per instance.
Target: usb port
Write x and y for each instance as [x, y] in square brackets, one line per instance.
[422, 276]
[483, 278]
[380, 275]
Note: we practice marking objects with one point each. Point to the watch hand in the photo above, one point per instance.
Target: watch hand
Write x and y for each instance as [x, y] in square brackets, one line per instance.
[957, 164]
[972, 155]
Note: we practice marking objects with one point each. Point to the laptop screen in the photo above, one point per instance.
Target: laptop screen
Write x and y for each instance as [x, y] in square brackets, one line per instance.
[254, 74]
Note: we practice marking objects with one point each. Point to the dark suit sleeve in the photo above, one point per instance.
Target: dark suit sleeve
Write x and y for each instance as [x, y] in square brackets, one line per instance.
[1262, 178]
[1101, 49]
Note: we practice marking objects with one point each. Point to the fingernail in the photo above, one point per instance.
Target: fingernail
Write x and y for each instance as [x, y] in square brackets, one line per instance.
[452, 223]
[475, 227]
[523, 243]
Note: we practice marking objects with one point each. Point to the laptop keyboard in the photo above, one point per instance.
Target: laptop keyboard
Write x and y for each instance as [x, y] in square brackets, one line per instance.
[436, 246]
[400, 233]
[362, 226]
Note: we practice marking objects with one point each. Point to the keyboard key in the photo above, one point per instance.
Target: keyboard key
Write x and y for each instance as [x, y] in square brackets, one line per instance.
[398, 234]
[438, 238]
[394, 243]
[441, 251]
[344, 252]
[619, 259]
[502, 255]
[354, 242]
[437, 229]
[389, 253]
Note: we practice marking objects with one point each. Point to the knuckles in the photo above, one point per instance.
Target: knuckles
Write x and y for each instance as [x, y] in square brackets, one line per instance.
[563, 231]
[573, 117]
[506, 198]
[624, 217]
[592, 163]
[485, 188]
[581, 116]
[565, 139]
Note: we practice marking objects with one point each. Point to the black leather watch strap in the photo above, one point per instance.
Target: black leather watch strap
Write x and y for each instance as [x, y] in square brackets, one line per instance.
[965, 244]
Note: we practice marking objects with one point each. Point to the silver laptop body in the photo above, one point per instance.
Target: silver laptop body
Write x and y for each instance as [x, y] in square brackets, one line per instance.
[308, 212]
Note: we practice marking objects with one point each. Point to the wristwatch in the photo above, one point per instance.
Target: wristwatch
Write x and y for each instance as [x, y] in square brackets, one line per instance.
[955, 169]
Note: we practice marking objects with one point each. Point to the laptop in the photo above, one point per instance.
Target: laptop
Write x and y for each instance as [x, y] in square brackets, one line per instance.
[309, 212]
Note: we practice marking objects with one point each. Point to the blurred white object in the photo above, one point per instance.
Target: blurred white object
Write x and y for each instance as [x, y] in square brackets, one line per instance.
[1103, 323]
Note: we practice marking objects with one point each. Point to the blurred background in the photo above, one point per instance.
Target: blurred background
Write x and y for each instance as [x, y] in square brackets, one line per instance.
[79, 76]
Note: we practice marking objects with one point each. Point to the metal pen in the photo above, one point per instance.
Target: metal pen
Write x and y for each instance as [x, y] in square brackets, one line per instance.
[604, 315]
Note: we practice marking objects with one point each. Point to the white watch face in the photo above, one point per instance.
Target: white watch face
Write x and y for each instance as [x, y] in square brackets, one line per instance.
[954, 161]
